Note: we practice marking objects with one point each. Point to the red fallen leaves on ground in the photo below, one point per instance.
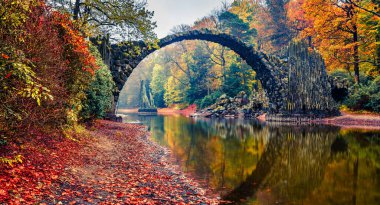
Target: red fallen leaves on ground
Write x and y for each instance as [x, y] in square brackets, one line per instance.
[117, 164]
[43, 161]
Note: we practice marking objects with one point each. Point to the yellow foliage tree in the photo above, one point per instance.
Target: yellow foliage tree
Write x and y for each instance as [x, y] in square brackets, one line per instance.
[343, 33]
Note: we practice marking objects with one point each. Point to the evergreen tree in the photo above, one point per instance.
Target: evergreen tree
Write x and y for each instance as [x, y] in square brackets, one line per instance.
[199, 65]
[99, 96]
[157, 85]
[231, 23]
[233, 81]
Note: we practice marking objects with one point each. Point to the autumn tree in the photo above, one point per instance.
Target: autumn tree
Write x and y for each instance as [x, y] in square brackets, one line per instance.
[337, 28]
[174, 92]
[46, 66]
[296, 16]
[370, 21]
[20, 87]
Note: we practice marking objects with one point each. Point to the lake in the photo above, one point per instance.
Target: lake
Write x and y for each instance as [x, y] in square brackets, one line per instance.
[249, 162]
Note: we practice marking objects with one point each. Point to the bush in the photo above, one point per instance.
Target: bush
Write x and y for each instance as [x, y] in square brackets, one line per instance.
[209, 99]
[342, 74]
[365, 97]
[45, 68]
[206, 101]
[99, 95]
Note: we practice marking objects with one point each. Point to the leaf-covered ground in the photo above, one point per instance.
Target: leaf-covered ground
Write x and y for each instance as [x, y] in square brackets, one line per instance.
[115, 164]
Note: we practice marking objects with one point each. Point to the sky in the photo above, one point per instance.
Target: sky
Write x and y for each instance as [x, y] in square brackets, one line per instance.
[170, 13]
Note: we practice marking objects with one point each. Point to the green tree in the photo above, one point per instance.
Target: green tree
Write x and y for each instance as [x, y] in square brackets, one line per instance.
[365, 96]
[99, 95]
[199, 65]
[231, 23]
[128, 18]
[234, 81]
[278, 23]
[173, 92]
[157, 85]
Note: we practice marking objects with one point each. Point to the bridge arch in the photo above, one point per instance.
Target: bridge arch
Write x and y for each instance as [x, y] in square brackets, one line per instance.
[125, 58]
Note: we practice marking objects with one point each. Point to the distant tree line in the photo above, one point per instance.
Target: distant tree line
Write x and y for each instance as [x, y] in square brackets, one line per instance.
[345, 32]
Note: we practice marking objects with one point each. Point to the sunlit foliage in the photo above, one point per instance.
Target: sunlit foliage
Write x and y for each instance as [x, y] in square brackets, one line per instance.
[123, 19]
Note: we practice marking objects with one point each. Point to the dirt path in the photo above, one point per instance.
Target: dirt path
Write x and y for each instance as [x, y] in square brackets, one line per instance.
[122, 166]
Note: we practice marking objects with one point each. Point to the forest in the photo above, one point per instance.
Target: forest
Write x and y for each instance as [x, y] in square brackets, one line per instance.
[346, 33]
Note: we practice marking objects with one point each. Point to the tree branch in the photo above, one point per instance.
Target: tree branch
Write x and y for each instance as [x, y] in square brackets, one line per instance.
[364, 9]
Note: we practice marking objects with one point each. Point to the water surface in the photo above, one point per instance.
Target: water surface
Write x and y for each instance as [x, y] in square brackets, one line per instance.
[248, 162]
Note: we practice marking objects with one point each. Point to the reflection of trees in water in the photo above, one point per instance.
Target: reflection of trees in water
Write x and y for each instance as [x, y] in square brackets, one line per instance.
[230, 128]
[222, 153]
[292, 164]
[352, 177]
[298, 165]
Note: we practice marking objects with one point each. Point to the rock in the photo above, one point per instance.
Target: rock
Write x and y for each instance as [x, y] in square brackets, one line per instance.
[241, 94]
[224, 102]
[220, 108]
[113, 117]
[224, 96]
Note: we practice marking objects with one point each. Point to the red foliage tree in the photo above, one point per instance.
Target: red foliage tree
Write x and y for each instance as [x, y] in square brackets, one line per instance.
[50, 44]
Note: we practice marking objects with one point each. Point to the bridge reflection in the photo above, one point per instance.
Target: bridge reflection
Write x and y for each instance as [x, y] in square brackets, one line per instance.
[247, 162]
[293, 163]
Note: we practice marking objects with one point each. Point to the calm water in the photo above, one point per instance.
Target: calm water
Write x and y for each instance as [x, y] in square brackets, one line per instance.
[252, 163]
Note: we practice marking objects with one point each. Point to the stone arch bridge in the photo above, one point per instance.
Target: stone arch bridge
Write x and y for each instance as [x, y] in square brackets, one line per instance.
[296, 84]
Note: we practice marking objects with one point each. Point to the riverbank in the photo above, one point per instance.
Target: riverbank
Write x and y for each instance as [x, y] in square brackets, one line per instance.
[349, 120]
[165, 111]
[110, 163]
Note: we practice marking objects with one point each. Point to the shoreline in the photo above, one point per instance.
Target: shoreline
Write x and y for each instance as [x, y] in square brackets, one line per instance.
[354, 121]
[347, 120]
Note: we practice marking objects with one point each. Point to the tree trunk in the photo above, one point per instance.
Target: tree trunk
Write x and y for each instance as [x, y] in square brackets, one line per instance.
[259, 45]
[310, 41]
[223, 64]
[356, 54]
[76, 9]
[378, 51]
